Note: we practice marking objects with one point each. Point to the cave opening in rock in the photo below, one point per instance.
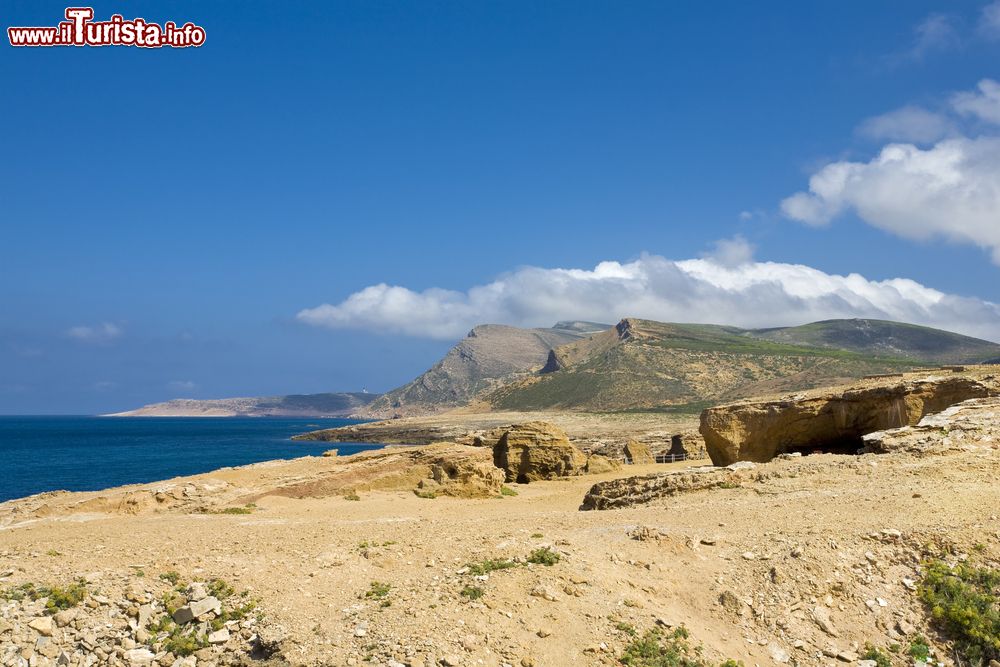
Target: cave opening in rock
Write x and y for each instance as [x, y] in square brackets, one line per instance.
[847, 444]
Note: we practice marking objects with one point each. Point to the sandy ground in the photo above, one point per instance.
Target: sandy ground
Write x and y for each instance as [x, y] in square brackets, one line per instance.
[743, 568]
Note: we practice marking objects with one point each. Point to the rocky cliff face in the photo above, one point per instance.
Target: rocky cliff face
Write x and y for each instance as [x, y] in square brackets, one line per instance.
[489, 355]
[974, 423]
[836, 419]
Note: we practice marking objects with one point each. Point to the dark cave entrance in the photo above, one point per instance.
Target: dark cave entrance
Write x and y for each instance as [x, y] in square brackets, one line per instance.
[842, 445]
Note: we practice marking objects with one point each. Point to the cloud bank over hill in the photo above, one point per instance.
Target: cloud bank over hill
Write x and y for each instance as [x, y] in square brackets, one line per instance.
[726, 287]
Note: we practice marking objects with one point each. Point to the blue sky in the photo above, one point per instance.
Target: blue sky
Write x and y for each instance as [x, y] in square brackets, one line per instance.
[172, 222]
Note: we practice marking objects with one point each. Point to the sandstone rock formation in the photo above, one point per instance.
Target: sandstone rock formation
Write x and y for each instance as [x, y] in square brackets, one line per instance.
[597, 464]
[972, 423]
[464, 475]
[639, 453]
[835, 420]
[535, 451]
[631, 491]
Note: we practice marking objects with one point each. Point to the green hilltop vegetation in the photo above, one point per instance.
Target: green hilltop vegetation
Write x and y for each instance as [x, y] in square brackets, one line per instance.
[641, 365]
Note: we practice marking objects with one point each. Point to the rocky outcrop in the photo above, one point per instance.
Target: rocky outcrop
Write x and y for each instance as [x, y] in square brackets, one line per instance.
[972, 423]
[834, 420]
[630, 491]
[639, 453]
[466, 476]
[597, 464]
[535, 451]
[444, 467]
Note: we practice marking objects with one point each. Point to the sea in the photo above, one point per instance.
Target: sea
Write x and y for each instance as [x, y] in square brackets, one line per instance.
[91, 453]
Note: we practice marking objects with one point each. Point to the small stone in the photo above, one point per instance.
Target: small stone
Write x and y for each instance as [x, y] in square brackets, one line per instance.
[749, 555]
[847, 656]
[527, 662]
[544, 632]
[196, 591]
[139, 656]
[778, 654]
[64, 617]
[451, 661]
[822, 618]
[708, 541]
[544, 592]
[42, 626]
[361, 630]
[190, 612]
[219, 636]
[867, 663]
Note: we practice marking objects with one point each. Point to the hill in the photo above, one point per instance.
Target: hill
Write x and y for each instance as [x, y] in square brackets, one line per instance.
[882, 338]
[646, 365]
[295, 405]
[491, 354]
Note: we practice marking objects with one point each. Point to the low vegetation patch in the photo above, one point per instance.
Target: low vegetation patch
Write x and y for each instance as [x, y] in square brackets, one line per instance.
[880, 657]
[489, 565]
[660, 648]
[962, 602]
[378, 590]
[920, 650]
[172, 577]
[544, 556]
[57, 598]
[425, 493]
[507, 491]
[472, 592]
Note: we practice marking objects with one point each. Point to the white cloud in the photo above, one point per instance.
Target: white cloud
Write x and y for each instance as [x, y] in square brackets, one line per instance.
[949, 190]
[989, 20]
[731, 252]
[101, 333]
[750, 294]
[909, 123]
[982, 103]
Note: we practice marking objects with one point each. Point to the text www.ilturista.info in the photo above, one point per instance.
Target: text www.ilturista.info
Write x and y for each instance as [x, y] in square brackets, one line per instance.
[79, 29]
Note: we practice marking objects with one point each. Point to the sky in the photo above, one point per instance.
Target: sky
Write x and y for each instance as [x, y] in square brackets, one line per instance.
[326, 196]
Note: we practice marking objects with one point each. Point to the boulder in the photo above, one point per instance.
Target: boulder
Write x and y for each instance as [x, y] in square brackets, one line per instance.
[832, 420]
[192, 611]
[535, 451]
[597, 464]
[463, 472]
[639, 453]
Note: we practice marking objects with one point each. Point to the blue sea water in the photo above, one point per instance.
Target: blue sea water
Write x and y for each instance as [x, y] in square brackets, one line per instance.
[91, 453]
